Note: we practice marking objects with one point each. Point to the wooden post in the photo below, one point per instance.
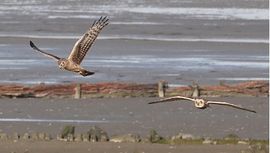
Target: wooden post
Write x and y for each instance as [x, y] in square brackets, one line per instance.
[222, 83]
[196, 91]
[162, 85]
[78, 91]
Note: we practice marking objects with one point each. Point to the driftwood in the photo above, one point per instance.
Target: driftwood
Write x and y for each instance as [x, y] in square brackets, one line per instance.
[251, 88]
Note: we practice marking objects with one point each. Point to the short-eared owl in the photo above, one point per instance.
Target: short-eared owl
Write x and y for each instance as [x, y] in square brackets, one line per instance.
[81, 47]
[201, 103]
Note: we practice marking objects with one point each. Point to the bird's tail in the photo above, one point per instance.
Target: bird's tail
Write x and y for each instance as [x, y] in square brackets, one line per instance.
[86, 73]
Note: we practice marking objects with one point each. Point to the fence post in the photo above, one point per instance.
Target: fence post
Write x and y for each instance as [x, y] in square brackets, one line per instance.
[196, 91]
[78, 91]
[162, 85]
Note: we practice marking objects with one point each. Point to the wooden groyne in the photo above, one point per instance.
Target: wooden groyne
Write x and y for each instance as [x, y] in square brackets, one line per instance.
[249, 88]
[84, 90]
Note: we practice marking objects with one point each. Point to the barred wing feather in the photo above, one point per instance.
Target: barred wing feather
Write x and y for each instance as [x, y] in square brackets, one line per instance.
[86, 41]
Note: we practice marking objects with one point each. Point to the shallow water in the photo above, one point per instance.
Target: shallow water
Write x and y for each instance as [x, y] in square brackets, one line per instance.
[146, 41]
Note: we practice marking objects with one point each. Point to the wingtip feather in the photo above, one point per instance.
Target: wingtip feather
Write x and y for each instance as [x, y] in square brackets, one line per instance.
[32, 44]
[103, 21]
[253, 111]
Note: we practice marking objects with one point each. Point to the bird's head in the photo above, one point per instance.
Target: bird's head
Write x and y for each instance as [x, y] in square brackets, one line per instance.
[200, 103]
[62, 63]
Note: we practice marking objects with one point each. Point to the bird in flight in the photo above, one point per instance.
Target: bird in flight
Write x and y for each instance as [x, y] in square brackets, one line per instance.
[81, 47]
[201, 103]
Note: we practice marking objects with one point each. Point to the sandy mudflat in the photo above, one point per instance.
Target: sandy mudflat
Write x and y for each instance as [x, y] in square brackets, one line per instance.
[178, 41]
[134, 115]
[82, 147]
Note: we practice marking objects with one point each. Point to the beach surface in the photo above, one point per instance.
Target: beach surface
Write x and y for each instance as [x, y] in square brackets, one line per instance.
[82, 147]
[134, 115]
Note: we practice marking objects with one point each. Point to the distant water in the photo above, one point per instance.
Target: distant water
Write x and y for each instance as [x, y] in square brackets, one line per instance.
[54, 9]
[144, 64]
[174, 40]
[138, 37]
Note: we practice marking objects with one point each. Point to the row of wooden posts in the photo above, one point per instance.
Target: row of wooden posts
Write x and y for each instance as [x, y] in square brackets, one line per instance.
[162, 86]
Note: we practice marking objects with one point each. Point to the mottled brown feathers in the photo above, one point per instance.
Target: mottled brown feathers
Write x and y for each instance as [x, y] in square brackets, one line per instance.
[81, 47]
[86, 41]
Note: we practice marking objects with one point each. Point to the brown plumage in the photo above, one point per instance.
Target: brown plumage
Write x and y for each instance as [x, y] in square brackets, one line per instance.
[80, 49]
[201, 103]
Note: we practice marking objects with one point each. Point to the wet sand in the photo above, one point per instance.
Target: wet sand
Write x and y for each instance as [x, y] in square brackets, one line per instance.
[134, 115]
[139, 61]
[82, 147]
[178, 41]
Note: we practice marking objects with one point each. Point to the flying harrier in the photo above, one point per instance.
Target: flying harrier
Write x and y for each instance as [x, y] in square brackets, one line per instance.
[81, 47]
[201, 103]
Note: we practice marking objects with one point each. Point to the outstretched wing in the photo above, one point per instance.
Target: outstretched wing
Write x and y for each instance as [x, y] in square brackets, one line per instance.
[86, 41]
[43, 52]
[170, 99]
[231, 105]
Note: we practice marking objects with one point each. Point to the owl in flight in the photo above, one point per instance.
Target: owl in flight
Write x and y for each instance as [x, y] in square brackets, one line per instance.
[81, 47]
[201, 103]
